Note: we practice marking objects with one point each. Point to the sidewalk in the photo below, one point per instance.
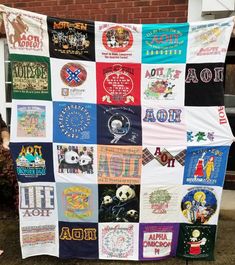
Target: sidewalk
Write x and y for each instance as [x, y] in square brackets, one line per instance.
[224, 252]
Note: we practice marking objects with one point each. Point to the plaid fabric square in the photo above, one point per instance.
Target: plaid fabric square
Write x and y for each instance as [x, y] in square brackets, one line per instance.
[147, 156]
[180, 157]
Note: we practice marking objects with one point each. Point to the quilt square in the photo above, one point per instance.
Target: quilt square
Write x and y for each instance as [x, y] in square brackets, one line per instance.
[119, 164]
[200, 204]
[119, 203]
[162, 84]
[118, 241]
[214, 132]
[74, 123]
[31, 77]
[206, 165]
[165, 43]
[117, 42]
[75, 163]
[158, 241]
[31, 121]
[196, 241]
[204, 84]
[163, 125]
[26, 32]
[37, 203]
[78, 240]
[73, 80]
[71, 39]
[39, 239]
[160, 203]
[162, 165]
[77, 202]
[33, 161]
[207, 40]
[118, 83]
[119, 125]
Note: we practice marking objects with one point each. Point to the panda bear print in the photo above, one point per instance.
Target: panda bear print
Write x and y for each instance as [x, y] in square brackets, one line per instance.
[74, 162]
[121, 206]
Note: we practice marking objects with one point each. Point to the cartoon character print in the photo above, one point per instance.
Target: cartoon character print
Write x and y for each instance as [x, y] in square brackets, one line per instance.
[198, 206]
[195, 243]
[19, 28]
[117, 39]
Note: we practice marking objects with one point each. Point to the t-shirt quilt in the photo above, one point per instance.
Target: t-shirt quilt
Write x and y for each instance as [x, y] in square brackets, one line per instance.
[119, 136]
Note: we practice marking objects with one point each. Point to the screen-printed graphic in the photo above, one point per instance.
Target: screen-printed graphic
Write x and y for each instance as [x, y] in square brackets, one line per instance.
[157, 241]
[74, 122]
[206, 165]
[196, 241]
[118, 241]
[117, 42]
[119, 164]
[119, 125]
[162, 84]
[31, 121]
[77, 202]
[31, 77]
[118, 83]
[199, 205]
[71, 39]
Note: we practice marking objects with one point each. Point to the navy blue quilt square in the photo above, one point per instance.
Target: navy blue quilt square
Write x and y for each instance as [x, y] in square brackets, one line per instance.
[118, 125]
[78, 240]
[33, 161]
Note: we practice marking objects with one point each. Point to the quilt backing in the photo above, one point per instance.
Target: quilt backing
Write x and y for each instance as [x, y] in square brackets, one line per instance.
[119, 136]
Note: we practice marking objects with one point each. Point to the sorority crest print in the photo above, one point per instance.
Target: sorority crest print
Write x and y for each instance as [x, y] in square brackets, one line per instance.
[196, 241]
[157, 241]
[118, 84]
[118, 241]
[71, 39]
[118, 42]
[119, 164]
[73, 80]
[75, 163]
[119, 125]
[26, 32]
[78, 240]
[204, 165]
[33, 161]
[74, 122]
[77, 202]
[165, 43]
[163, 84]
[200, 205]
[31, 77]
[207, 42]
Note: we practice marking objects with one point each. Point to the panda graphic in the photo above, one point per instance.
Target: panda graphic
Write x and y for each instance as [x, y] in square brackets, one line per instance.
[74, 162]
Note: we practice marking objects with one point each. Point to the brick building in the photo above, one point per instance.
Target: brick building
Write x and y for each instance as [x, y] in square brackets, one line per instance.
[122, 11]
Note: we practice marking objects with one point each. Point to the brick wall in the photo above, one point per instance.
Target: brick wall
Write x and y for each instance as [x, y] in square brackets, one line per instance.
[122, 11]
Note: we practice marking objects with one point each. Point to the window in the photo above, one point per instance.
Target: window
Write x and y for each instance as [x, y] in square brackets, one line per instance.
[5, 82]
